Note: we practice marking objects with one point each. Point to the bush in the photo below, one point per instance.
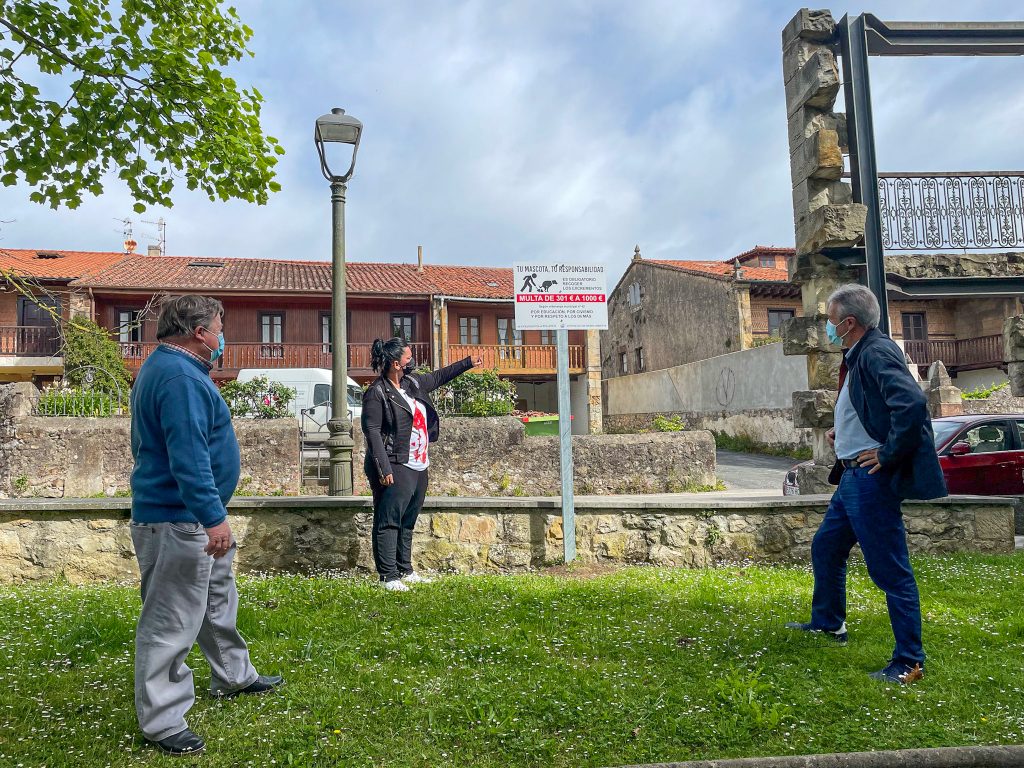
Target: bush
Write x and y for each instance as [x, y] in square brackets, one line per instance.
[666, 424]
[477, 394]
[764, 340]
[78, 402]
[258, 399]
[983, 393]
[88, 348]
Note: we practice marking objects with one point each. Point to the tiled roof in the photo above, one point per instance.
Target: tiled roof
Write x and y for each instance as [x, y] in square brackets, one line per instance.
[767, 250]
[56, 265]
[174, 273]
[724, 270]
[472, 282]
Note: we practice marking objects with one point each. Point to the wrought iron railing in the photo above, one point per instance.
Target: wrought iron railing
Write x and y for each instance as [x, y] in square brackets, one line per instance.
[932, 211]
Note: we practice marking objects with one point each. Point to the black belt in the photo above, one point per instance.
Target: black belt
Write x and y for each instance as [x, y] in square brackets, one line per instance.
[850, 463]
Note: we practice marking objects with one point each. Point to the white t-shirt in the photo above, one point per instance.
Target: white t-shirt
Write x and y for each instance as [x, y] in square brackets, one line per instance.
[419, 440]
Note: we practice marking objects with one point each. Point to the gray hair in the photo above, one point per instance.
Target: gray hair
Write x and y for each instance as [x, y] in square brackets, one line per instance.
[856, 301]
[181, 315]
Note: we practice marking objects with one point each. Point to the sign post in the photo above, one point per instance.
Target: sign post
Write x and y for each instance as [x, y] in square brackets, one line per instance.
[562, 297]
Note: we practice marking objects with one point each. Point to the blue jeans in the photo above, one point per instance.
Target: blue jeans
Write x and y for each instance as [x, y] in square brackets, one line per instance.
[865, 511]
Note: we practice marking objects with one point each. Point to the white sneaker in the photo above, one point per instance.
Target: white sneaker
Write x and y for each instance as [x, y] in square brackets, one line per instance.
[395, 586]
[415, 578]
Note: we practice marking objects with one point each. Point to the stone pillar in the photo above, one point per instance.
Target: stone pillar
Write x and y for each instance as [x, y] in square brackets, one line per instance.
[943, 398]
[595, 402]
[1013, 353]
[80, 305]
[824, 216]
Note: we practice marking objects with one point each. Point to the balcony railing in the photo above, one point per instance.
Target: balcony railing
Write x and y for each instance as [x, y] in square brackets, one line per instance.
[29, 341]
[961, 354]
[933, 211]
[255, 355]
[513, 358]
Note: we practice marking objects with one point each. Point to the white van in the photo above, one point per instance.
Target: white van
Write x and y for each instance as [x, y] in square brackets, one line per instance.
[312, 403]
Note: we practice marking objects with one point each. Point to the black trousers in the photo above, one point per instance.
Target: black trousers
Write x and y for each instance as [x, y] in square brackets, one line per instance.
[395, 509]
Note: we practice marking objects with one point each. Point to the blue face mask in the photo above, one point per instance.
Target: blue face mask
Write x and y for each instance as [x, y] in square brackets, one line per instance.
[215, 353]
[833, 334]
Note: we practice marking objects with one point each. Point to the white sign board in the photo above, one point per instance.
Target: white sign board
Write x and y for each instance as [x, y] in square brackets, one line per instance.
[557, 296]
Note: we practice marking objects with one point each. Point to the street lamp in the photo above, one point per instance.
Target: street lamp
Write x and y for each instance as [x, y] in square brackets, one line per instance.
[338, 128]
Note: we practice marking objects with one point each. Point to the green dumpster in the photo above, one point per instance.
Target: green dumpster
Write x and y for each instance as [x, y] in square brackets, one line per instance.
[541, 425]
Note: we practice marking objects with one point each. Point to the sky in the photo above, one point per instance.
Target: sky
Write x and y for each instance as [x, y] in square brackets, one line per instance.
[498, 132]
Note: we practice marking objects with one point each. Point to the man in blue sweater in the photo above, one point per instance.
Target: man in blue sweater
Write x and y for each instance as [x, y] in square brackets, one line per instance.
[186, 468]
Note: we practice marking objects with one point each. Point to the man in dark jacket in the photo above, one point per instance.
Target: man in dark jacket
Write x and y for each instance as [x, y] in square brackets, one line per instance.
[885, 453]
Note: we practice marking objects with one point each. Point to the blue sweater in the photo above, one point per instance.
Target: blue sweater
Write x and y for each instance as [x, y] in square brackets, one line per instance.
[186, 455]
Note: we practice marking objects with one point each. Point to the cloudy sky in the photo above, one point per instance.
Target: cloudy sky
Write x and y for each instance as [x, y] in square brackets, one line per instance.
[505, 131]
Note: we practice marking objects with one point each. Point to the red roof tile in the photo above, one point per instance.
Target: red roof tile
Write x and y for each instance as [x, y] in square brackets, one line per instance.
[472, 282]
[56, 265]
[174, 273]
[725, 270]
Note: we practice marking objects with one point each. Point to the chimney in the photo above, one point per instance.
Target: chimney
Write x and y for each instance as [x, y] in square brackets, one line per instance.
[153, 250]
[636, 253]
[737, 270]
[419, 259]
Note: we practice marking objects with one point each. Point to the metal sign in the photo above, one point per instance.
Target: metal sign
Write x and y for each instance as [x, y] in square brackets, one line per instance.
[560, 296]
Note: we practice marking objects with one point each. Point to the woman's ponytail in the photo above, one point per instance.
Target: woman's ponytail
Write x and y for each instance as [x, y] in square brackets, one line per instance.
[383, 353]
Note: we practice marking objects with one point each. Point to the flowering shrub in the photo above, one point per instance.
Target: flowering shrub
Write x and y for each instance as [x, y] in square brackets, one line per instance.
[258, 399]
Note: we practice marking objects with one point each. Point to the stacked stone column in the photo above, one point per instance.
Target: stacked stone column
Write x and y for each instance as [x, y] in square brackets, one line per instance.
[825, 216]
[1013, 353]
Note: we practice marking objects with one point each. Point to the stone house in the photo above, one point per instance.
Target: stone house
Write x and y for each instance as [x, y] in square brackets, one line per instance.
[278, 315]
[664, 313]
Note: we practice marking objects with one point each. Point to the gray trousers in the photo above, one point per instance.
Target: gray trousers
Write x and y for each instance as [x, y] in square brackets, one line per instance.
[187, 596]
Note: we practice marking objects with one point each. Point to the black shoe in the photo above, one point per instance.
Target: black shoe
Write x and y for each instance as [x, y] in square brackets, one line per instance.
[262, 684]
[183, 743]
[900, 674]
[839, 635]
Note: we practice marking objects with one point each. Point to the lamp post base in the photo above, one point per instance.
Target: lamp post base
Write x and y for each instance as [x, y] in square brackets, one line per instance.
[339, 447]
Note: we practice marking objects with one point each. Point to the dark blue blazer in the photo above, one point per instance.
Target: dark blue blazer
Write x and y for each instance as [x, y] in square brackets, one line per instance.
[894, 412]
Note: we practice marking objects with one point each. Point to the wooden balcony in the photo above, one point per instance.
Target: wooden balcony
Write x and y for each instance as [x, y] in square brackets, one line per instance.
[958, 354]
[254, 355]
[519, 359]
[27, 351]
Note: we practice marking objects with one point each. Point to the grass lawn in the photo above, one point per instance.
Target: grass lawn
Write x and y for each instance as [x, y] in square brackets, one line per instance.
[636, 665]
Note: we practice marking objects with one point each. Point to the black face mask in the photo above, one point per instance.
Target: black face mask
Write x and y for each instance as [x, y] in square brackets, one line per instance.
[410, 367]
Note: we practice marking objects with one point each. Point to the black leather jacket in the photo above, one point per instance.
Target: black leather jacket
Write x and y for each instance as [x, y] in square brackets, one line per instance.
[387, 420]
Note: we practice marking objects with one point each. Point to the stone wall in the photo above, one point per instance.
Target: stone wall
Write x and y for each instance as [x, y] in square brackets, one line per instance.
[79, 457]
[1000, 401]
[89, 540]
[768, 426]
[493, 457]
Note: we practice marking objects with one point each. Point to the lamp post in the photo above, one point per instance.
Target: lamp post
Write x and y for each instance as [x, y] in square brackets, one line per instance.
[338, 128]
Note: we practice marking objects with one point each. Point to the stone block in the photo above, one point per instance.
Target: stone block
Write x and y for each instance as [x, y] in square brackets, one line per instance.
[1013, 340]
[813, 478]
[1015, 371]
[815, 84]
[814, 25]
[807, 121]
[821, 450]
[811, 194]
[823, 370]
[818, 157]
[803, 335]
[994, 524]
[831, 226]
[805, 267]
[814, 408]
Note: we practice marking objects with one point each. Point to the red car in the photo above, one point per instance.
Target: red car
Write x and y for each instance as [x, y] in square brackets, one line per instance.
[979, 455]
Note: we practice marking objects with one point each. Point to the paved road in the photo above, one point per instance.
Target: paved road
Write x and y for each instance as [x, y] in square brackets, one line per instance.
[752, 471]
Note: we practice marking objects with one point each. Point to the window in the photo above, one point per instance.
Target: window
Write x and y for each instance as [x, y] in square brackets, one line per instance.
[639, 359]
[325, 332]
[271, 335]
[766, 260]
[129, 333]
[321, 394]
[634, 295]
[775, 319]
[915, 326]
[988, 438]
[402, 327]
[548, 338]
[469, 330]
[624, 362]
[508, 336]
